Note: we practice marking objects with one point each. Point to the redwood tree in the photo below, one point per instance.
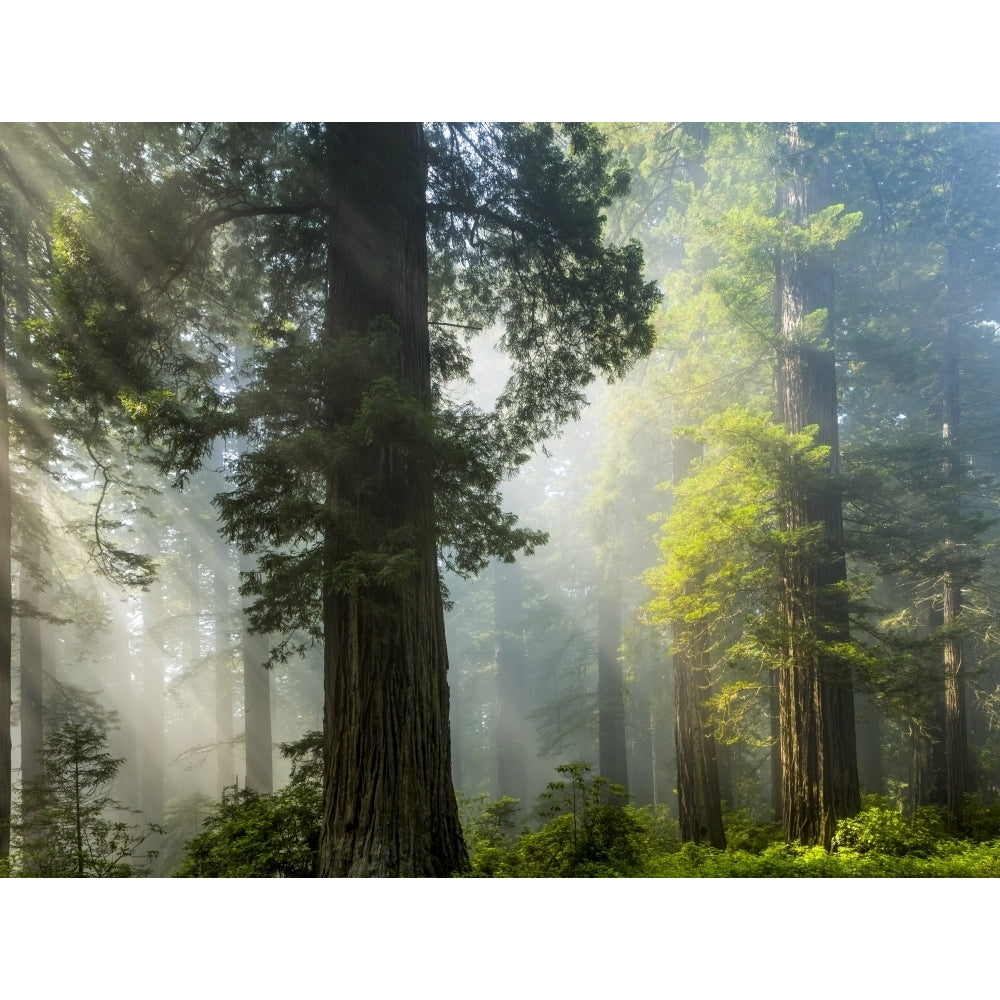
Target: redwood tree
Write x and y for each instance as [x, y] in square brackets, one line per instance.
[816, 697]
[698, 796]
[352, 254]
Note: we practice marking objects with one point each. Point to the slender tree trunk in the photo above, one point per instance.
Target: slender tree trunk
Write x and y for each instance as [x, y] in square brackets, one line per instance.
[869, 726]
[816, 697]
[928, 761]
[152, 778]
[955, 726]
[257, 713]
[612, 751]
[123, 668]
[31, 664]
[698, 798]
[389, 804]
[257, 732]
[640, 763]
[512, 683]
[225, 763]
[774, 758]
[78, 819]
[6, 595]
[661, 726]
[728, 763]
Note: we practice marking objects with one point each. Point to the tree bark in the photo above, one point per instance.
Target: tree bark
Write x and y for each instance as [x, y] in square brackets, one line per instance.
[698, 799]
[816, 698]
[389, 804]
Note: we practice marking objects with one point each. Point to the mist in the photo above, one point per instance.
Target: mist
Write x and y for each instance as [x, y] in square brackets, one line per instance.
[749, 399]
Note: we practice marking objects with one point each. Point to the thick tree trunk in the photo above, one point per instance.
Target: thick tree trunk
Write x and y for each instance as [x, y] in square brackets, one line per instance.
[511, 678]
[698, 799]
[389, 804]
[816, 697]
[612, 752]
[6, 595]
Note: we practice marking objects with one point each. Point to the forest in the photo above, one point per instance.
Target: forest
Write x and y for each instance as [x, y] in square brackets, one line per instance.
[535, 500]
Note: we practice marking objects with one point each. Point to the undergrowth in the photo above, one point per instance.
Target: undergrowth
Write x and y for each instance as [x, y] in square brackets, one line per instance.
[583, 834]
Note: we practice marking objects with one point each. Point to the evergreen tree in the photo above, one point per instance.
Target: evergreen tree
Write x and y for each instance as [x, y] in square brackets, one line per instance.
[923, 302]
[362, 469]
[70, 829]
[816, 694]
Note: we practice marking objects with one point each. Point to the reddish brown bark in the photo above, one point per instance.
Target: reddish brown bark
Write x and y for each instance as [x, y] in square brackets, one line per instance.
[816, 698]
[389, 804]
[698, 799]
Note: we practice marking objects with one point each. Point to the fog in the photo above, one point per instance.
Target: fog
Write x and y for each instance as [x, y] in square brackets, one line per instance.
[672, 506]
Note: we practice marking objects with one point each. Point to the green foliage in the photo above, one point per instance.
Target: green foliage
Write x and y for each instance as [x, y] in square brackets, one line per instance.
[880, 828]
[70, 827]
[582, 837]
[586, 838]
[488, 829]
[251, 835]
[487, 824]
[745, 833]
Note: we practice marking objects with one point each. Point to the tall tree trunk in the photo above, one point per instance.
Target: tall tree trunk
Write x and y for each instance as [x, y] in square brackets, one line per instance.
[122, 668]
[225, 763]
[955, 728]
[774, 758]
[6, 595]
[816, 697]
[254, 652]
[698, 799]
[928, 760]
[389, 804]
[511, 677]
[257, 713]
[152, 778]
[728, 764]
[612, 753]
[31, 663]
[640, 762]
[869, 726]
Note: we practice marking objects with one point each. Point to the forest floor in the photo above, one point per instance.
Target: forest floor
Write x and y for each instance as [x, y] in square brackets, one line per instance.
[598, 840]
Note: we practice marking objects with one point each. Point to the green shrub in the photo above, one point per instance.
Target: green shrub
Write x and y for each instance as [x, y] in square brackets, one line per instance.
[982, 820]
[745, 833]
[265, 836]
[882, 829]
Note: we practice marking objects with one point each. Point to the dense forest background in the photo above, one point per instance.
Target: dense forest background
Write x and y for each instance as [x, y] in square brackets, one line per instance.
[684, 473]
